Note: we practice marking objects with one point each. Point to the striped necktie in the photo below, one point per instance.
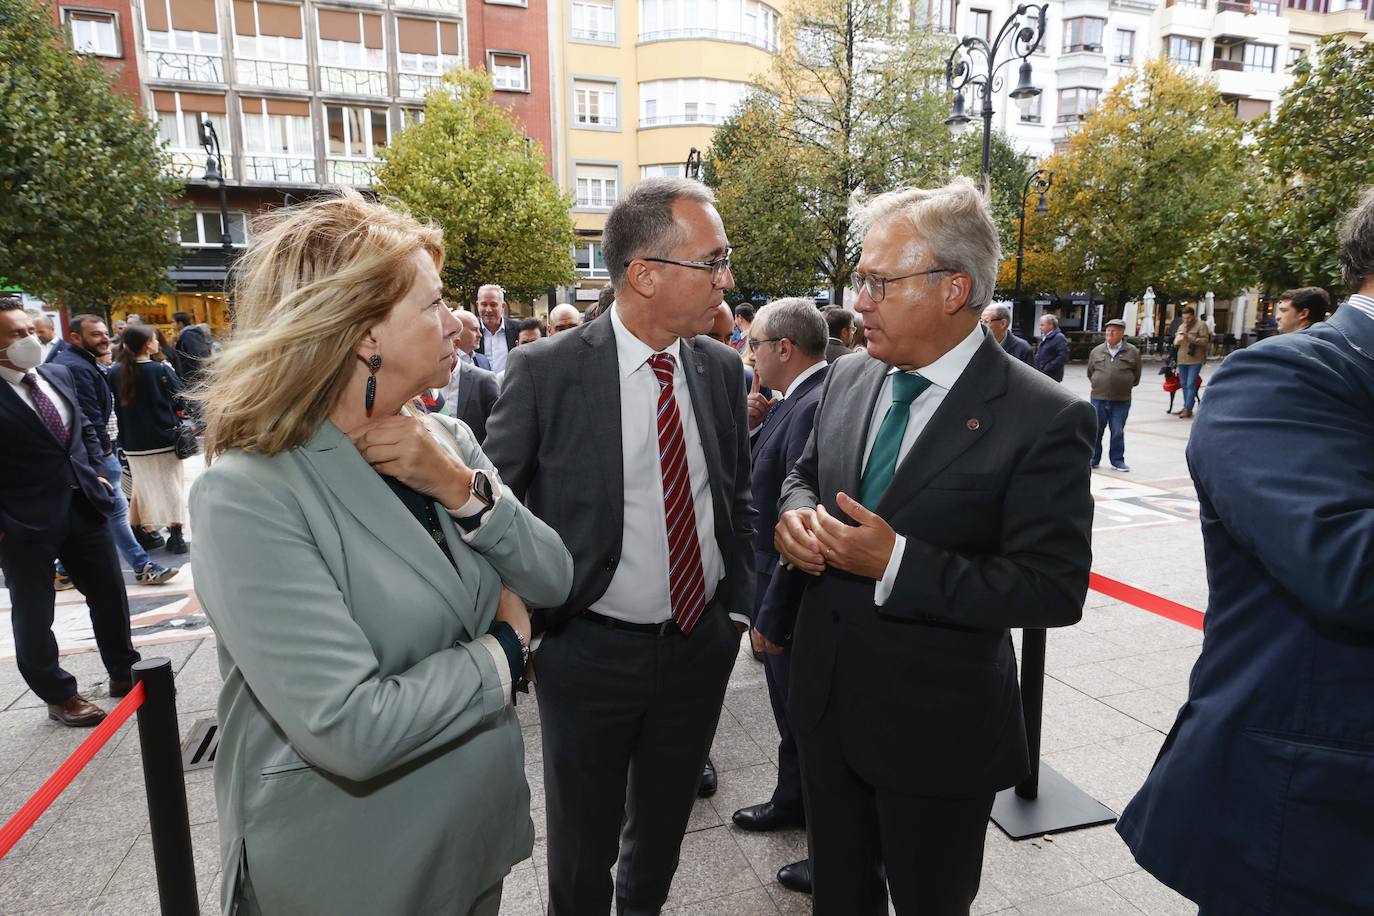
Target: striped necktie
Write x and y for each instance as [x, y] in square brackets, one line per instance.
[47, 410]
[686, 581]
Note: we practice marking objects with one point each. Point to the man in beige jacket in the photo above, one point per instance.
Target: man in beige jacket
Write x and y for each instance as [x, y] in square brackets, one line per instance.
[1191, 341]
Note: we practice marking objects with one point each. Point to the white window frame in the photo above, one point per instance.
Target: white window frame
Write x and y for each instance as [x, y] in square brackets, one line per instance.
[663, 170]
[250, 47]
[1032, 113]
[1128, 56]
[608, 112]
[204, 43]
[369, 150]
[1259, 48]
[413, 62]
[207, 229]
[595, 36]
[986, 33]
[578, 196]
[591, 271]
[750, 22]
[182, 143]
[1080, 25]
[291, 136]
[1080, 110]
[1183, 40]
[676, 102]
[1295, 54]
[333, 53]
[524, 70]
[71, 15]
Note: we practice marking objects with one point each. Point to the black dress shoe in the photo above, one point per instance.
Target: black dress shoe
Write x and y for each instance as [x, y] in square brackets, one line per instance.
[120, 688]
[707, 787]
[796, 877]
[768, 816]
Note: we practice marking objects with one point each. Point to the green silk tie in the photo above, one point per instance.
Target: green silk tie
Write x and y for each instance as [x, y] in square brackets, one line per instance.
[882, 461]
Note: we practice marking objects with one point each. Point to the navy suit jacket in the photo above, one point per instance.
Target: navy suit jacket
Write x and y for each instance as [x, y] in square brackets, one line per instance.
[1262, 797]
[776, 449]
[1019, 348]
[41, 477]
[93, 391]
[1053, 354]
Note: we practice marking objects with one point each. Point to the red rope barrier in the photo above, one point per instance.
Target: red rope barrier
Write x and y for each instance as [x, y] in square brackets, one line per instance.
[33, 809]
[1144, 600]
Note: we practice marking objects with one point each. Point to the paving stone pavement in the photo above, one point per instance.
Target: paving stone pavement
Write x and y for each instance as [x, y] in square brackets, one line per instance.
[1114, 683]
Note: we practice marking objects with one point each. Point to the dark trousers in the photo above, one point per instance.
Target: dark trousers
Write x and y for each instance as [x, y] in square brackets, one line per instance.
[87, 551]
[627, 720]
[930, 848]
[1111, 415]
[777, 670]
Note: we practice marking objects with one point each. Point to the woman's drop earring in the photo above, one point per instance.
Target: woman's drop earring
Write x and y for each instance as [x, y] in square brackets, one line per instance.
[374, 362]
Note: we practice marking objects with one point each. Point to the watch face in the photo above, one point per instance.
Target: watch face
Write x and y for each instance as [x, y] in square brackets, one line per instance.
[481, 487]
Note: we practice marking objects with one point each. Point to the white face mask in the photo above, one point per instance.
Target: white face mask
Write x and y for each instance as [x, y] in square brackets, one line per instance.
[25, 353]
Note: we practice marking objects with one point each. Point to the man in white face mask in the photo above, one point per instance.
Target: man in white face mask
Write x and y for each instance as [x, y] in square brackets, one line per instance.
[54, 504]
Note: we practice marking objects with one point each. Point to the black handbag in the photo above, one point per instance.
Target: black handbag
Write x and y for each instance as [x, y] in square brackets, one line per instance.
[186, 445]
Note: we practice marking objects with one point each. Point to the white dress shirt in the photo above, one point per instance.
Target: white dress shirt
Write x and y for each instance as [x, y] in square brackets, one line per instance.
[782, 396]
[638, 592]
[1362, 304]
[942, 374]
[450, 391]
[495, 347]
[15, 379]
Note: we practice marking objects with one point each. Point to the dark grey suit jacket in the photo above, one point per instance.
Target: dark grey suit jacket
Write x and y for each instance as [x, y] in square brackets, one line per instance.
[555, 438]
[994, 504]
[477, 393]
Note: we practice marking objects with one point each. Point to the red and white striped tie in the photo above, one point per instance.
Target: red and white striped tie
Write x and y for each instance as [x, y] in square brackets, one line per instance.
[686, 582]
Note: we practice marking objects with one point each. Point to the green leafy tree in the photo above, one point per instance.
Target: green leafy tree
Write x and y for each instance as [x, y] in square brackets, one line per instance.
[467, 169]
[1314, 156]
[85, 197]
[763, 204]
[1152, 171]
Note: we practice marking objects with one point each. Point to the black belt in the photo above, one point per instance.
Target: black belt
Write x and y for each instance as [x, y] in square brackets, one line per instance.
[666, 628]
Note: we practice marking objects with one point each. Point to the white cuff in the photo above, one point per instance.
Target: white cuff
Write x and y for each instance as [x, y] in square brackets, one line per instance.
[740, 618]
[474, 507]
[883, 590]
[498, 657]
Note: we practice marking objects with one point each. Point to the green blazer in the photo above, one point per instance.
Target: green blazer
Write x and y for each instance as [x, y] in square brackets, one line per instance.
[370, 761]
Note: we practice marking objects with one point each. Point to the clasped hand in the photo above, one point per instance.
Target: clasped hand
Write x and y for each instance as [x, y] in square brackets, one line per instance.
[402, 447]
[812, 539]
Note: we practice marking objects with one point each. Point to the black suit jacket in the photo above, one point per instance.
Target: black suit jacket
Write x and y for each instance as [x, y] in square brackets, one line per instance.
[555, 439]
[1019, 348]
[42, 478]
[477, 393]
[993, 501]
[776, 449]
[512, 337]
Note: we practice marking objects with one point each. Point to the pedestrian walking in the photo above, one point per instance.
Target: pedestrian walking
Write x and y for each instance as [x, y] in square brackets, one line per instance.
[146, 394]
[1053, 353]
[1114, 368]
[1191, 341]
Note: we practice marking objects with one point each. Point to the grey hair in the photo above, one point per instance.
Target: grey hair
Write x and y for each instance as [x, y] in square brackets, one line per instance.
[499, 291]
[641, 223]
[956, 226]
[797, 319]
[1357, 243]
[1000, 312]
[1051, 318]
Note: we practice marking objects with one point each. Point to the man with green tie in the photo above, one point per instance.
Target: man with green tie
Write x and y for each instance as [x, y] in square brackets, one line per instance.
[942, 500]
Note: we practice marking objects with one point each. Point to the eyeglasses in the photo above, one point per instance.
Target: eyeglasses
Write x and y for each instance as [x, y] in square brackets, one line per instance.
[756, 342]
[718, 267]
[877, 286]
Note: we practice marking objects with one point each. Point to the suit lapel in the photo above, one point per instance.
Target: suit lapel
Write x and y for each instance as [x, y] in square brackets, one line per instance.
[787, 405]
[694, 366]
[856, 424]
[960, 421]
[466, 382]
[600, 371]
[67, 391]
[368, 498]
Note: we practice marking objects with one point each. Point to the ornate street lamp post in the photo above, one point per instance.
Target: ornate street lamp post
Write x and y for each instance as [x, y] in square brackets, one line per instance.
[1039, 180]
[214, 179]
[973, 62]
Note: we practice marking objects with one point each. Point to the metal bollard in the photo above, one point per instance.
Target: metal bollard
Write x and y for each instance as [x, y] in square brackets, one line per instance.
[1032, 703]
[160, 743]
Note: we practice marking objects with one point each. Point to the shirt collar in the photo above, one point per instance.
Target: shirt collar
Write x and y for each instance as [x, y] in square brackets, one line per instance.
[13, 376]
[796, 382]
[946, 370]
[633, 352]
[1363, 304]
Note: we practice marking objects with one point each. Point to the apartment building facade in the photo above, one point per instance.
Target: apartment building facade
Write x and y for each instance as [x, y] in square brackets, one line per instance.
[640, 83]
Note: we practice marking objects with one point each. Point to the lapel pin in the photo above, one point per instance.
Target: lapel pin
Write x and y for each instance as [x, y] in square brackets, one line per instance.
[973, 423]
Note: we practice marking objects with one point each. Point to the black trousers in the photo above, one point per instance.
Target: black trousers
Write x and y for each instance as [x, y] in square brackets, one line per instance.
[87, 550]
[626, 720]
[777, 672]
[866, 840]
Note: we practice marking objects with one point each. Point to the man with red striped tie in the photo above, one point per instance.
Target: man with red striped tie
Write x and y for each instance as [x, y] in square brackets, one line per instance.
[628, 436]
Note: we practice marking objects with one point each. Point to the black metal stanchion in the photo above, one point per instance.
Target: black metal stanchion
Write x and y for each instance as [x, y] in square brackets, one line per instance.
[160, 743]
[1045, 802]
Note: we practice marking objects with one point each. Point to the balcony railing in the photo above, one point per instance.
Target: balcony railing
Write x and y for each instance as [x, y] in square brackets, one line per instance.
[277, 74]
[599, 201]
[353, 81]
[190, 164]
[674, 120]
[766, 44]
[1234, 6]
[1233, 65]
[358, 172]
[180, 65]
[279, 169]
[600, 121]
[592, 35]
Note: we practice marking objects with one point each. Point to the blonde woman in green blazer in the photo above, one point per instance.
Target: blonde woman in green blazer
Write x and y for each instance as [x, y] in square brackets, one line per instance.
[367, 577]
